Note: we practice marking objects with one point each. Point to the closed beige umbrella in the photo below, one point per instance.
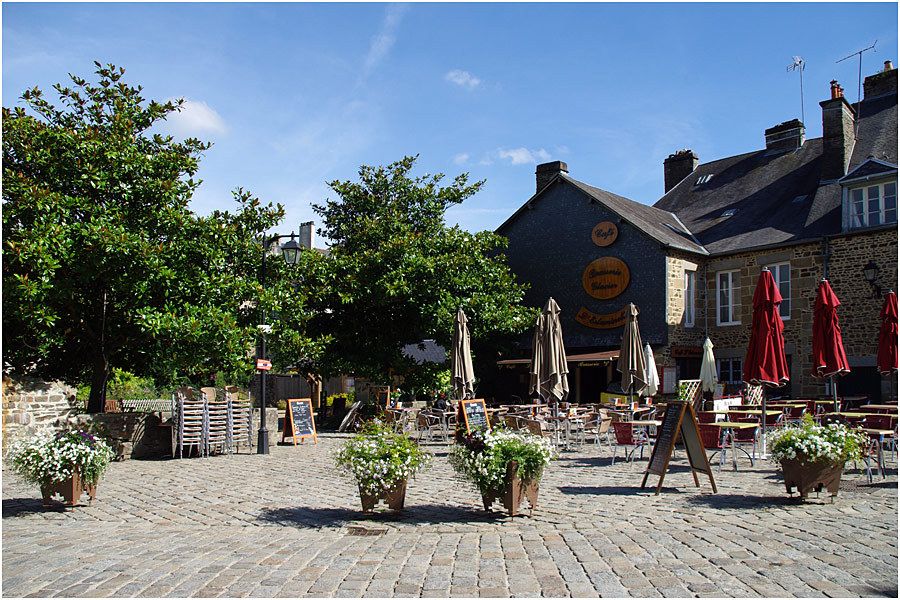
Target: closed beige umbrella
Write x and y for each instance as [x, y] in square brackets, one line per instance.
[549, 371]
[650, 369]
[631, 355]
[461, 372]
[708, 377]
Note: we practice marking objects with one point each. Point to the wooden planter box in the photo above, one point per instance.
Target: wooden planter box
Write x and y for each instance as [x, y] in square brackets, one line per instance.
[812, 476]
[394, 497]
[514, 489]
[70, 489]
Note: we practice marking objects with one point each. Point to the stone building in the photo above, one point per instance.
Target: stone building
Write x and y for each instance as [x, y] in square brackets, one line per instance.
[805, 209]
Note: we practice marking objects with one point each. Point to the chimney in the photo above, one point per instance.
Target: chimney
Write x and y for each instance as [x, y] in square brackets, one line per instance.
[544, 173]
[678, 166]
[881, 83]
[786, 136]
[837, 133]
[307, 234]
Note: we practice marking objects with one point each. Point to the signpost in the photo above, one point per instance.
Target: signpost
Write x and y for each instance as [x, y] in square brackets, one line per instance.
[299, 422]
[680, 421]
[474, 414]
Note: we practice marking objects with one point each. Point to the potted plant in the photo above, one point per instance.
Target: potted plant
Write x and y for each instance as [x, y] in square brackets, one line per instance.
[812, 456]
[503, 465]
[381, 462]
[66, 463]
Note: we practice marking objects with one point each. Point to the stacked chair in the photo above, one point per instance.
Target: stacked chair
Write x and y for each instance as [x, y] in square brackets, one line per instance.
[211, 420]
[240, 420]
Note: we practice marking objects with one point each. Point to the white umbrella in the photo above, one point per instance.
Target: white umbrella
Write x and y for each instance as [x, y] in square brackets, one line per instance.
[549, 371]
[461, 371]
[650, 371]
[708, 376]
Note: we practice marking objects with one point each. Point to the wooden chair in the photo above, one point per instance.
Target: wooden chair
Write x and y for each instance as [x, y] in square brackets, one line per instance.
[240, 420]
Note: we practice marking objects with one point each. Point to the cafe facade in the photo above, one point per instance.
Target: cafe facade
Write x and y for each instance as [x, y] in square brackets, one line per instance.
[803, 208]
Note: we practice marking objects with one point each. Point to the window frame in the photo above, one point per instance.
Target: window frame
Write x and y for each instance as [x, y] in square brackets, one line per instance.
[856, 220]
[775, 270]
[735, 318]
[690, 301]
[731, 364]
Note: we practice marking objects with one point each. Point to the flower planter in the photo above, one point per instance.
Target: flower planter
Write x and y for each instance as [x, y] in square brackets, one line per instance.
[812, 476]
[512, 492]
[394, 497]
[70, 489]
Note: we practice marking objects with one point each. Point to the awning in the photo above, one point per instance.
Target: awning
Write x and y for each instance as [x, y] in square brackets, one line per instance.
[572, 358]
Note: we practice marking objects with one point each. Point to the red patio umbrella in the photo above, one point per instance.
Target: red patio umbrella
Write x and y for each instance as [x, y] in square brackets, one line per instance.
[765, 362]
[829, 358]
[887, 336]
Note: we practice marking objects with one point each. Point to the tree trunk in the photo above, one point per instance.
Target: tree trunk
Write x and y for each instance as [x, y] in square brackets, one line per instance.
[97, 399]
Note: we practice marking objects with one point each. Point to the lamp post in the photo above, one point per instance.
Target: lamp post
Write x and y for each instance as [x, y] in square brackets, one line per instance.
[290, 251]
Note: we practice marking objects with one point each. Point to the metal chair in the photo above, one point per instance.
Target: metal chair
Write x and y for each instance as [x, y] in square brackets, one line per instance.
[240, 419]
[189, 415]
[713, 439]
[629, 438]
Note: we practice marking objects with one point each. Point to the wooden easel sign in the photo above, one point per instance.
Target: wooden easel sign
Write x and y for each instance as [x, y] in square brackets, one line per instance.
[299, 422]
[680, 421]
[474, 414]
[383, 397]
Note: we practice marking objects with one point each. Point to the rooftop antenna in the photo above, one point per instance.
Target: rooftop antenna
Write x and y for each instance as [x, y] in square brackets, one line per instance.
[797, 64]
[858, 83]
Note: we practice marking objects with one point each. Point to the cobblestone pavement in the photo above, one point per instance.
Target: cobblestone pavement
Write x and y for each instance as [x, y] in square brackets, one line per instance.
[287, 525]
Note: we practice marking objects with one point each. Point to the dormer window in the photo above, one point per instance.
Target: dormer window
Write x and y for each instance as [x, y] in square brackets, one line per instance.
[872, 204]
[729, 213]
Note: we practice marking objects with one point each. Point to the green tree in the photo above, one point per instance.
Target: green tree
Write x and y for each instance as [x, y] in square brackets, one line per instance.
[103, 262]
[397, 274]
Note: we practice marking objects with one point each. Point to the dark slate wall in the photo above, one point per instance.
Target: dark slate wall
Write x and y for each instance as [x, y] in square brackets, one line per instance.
[550, 246]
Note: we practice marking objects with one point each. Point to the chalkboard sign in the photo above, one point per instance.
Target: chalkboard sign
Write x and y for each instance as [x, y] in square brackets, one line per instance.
[299, 422]
[475, 414]
[680, 421]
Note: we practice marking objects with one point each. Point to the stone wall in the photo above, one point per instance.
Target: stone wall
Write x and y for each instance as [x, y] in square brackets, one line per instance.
[31, 405]
[858, 312]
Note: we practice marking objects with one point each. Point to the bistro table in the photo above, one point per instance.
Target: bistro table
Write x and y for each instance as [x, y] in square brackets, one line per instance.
[730, 426]
[879, 407]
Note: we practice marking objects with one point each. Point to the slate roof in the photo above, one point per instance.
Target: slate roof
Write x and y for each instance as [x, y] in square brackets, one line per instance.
[425, 351]
[871, 167]
[661, 225]
[776, 197]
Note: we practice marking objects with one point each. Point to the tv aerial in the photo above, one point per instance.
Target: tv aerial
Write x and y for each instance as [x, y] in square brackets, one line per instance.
[797, 64]
[859, 80]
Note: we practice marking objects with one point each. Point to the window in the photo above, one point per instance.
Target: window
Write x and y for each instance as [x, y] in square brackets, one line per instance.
[730, 212]
[873, 205]
[782, 275]
[704, 179]
[728, 298]
[731, 370]
[690, 287]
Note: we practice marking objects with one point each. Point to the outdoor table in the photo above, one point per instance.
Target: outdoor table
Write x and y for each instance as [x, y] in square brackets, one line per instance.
[881, 433]
[727, 426]
[879, 407]
[757, 413]
[851, 414]
[446, 415]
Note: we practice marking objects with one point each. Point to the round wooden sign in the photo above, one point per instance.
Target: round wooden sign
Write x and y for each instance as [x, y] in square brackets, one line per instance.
[604, 233]
[606, 278]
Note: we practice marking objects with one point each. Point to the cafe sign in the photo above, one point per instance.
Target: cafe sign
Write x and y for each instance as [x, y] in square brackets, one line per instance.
[605, 278]
[602, 321]
[605, 233]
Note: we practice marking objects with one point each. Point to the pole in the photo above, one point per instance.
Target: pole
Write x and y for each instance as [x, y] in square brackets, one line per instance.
[262, 438]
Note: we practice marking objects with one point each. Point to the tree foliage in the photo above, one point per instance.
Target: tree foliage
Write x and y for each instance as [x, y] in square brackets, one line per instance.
[397, 273]
[104, 264]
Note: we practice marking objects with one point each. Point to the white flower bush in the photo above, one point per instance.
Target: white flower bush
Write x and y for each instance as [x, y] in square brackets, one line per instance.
[481, 457]
[812, 443]
[378, 458]
[47, 457]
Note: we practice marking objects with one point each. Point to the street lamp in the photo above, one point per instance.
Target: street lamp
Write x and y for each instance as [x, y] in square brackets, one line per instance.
[290, 251]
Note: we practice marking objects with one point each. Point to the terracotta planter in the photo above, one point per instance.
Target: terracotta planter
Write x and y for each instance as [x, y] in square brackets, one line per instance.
[812, 476]
[70, 489]
[512, 492]
[394, 497]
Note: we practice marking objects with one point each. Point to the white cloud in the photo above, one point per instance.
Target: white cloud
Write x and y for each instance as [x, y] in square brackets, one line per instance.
[523, 156]
[462, 79]
[195, 118]
[384, 40]
[461, 158]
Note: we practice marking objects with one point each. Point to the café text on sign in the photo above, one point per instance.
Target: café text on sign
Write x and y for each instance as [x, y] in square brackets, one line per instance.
[604, 321]
[605, 233]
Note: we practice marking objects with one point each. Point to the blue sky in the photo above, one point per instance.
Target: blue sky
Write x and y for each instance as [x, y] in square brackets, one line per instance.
[295, 95]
